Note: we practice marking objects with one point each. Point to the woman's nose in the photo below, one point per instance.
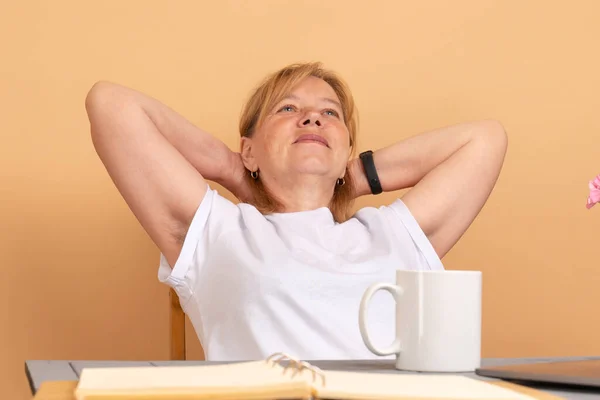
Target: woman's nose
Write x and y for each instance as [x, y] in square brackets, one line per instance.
[310, 118]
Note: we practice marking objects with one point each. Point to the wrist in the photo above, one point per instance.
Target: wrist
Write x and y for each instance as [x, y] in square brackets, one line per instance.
[363, 169]
[359, 178]
[230, 172]
[234, 177]
[370, 172]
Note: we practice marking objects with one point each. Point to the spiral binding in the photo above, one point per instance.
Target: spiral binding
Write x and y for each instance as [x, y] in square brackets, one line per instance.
[297, 364]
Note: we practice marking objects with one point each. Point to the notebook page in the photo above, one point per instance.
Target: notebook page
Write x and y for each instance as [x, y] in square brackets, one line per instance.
[239, 380]
[372, 386]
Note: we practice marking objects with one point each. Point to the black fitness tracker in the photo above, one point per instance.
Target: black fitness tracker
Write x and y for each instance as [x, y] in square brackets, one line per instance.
[369, 166]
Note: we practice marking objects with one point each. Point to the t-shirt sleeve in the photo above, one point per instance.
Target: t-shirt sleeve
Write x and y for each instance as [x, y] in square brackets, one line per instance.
[403, 221]
[214, 214]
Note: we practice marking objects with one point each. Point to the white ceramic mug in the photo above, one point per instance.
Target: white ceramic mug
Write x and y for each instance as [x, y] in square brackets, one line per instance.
[438, 320]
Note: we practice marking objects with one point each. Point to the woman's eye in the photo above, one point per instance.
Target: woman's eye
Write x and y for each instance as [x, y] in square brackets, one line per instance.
[332, 113]
[287, 108]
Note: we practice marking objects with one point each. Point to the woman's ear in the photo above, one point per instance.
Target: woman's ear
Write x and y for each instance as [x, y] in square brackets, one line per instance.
[246, 153]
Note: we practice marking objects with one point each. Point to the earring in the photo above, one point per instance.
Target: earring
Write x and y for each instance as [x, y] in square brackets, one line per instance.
[254, 174]
[341, 181]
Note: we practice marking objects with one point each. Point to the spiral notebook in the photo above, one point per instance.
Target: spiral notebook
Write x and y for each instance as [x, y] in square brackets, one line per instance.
[278, 377]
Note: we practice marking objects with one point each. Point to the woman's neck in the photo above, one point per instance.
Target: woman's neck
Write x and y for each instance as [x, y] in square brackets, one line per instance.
[301, 192]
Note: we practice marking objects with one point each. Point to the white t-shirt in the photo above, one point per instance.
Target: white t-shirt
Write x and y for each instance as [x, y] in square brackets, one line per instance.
[253, 284]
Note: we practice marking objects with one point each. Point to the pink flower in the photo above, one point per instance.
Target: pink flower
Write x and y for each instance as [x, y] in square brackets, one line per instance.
[594, 192]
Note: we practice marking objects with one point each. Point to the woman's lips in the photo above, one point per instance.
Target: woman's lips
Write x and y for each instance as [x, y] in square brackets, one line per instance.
[312, 138]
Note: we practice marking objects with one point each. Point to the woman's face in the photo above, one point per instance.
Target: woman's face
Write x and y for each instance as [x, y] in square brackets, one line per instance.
[304, 133]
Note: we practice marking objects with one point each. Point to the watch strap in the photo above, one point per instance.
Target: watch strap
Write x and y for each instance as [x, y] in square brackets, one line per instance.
[370, 171]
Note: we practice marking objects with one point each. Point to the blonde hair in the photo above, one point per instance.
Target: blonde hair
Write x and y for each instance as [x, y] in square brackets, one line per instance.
[271, 91]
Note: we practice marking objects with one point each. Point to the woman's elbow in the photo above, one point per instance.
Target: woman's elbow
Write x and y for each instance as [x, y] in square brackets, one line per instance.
[494, 134]
[100, 95]
[106, 101]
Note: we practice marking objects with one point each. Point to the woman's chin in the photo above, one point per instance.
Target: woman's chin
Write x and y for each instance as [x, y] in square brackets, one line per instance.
[312, 167]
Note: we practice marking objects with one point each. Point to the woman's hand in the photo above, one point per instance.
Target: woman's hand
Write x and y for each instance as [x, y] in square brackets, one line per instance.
[235, 178]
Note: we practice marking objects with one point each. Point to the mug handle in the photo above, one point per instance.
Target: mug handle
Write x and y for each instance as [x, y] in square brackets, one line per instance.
[395, 291]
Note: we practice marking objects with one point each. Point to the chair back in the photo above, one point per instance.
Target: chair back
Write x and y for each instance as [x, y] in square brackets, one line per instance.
[177, 331]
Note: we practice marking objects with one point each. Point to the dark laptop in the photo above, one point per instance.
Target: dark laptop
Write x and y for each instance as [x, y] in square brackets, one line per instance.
[580, 373]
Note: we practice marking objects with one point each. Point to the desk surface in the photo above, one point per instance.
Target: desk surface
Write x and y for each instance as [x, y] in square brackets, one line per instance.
[39, 371]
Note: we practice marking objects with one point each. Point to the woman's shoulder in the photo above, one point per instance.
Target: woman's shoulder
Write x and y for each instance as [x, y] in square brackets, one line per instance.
[395, 209]
[395, 214]
[225, 211]
[399, 219]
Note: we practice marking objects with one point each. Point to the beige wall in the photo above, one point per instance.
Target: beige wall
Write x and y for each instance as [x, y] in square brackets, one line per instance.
[78, 275]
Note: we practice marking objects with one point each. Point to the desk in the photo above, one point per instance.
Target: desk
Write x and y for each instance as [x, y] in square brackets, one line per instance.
[39, 371]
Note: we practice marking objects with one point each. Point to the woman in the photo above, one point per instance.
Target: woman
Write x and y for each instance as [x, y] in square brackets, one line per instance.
[285, 269]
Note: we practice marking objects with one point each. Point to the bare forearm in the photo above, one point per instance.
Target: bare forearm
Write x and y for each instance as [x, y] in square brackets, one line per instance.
[405, 163]
[208, 155]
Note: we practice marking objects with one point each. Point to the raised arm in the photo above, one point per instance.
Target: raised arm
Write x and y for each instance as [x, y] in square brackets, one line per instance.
[157, 160]
[451, 172]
